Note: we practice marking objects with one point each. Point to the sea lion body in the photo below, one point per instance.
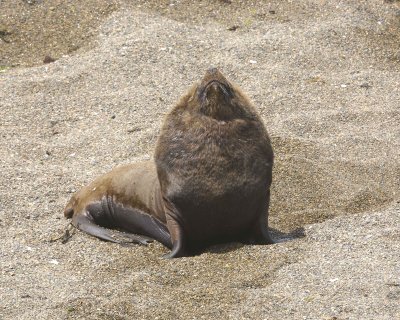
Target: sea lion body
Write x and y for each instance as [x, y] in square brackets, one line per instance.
[127, 198]
[209, 184]
[214, 162]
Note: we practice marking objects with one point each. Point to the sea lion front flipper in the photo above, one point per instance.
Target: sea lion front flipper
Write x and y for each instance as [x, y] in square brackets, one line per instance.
[260, 233]
[177, 237]
[82, 222]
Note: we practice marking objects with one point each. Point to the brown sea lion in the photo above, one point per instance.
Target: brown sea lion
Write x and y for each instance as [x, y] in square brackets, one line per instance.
[210, 182]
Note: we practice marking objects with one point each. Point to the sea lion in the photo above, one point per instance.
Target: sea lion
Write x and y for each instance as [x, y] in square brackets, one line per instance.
[209, 182]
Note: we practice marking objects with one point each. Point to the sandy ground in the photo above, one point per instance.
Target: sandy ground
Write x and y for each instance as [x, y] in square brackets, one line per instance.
[324, 75]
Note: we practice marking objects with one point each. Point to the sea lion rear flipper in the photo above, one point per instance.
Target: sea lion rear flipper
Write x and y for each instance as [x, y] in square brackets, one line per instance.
[82, 222]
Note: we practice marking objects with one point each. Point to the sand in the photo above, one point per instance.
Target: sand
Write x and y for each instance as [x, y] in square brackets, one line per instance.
[325, 77]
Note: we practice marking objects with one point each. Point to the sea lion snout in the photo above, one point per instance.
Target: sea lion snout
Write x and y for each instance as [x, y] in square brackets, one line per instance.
[213, 75]
[214, 86]
[216, 89]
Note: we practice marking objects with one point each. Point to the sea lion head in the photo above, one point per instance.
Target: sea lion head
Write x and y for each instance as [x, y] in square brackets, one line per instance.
[215, 88]
[216, 97]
